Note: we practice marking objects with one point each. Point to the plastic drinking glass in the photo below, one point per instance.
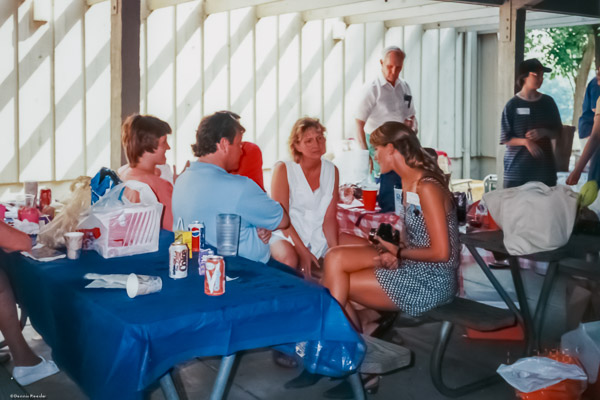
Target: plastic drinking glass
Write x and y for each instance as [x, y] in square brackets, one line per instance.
[228, 234]
[369, 199]
[29, 200]
[74, 243]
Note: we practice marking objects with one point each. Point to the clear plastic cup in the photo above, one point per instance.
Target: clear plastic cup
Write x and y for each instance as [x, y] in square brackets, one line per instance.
[74, 243]
[228, 234]
[29, 200]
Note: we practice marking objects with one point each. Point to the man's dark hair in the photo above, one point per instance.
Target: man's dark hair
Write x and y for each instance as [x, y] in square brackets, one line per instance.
[212, 128]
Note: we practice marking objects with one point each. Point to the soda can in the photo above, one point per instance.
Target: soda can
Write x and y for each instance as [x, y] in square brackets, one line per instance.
[202, 235]
[45, 197]
[214, 282]
[202, 256]
[195, 227]
[178, 260]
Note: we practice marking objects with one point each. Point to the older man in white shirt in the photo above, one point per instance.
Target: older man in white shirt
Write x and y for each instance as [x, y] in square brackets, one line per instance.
[386, 98]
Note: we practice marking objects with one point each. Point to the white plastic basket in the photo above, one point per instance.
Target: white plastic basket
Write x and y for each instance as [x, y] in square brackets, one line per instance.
[126, 228]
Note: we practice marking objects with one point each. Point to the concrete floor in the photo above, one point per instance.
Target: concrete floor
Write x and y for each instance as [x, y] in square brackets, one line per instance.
[257, 377]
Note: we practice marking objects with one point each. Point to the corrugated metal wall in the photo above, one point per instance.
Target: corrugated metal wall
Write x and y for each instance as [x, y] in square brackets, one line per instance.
[55, 81]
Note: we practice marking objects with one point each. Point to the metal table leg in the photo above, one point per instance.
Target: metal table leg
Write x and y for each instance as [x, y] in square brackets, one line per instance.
[168, 387]
[528, 327]
[357, 387]
[494, 281]
[523, 314]
[540, 308]
[222, 377]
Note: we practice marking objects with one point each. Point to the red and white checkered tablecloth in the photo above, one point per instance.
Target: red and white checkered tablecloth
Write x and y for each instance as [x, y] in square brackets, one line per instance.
[358, 222]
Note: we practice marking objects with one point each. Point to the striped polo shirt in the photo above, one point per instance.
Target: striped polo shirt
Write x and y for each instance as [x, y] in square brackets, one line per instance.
[519, 117]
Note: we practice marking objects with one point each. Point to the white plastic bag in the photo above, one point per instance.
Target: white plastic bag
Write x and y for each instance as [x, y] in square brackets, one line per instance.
[126, 228]
[534, 373]
[533, 217]
[583, 343]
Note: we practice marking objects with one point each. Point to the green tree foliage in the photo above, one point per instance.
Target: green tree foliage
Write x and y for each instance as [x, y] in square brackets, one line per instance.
[561, 49]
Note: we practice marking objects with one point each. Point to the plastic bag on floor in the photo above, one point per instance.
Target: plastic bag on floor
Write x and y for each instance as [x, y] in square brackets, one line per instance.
[532, 374]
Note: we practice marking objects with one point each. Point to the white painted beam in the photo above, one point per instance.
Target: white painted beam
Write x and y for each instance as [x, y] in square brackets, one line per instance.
[286, 6]
[562, 21]
[92, 2]
[156, 4]
[431, 10]
[362, 7]
[488, 24]
[534, 21]
[217, 6]
[438, 19]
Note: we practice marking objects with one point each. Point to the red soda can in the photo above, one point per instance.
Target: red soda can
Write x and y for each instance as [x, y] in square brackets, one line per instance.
[214, 281]
[45, 197]
[196, 228]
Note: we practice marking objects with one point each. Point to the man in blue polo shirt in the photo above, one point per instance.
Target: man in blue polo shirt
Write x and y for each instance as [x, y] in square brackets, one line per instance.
[206, 189]
[586, 121]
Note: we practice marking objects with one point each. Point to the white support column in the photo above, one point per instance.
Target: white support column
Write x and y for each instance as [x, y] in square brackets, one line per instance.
[459, 104]
[470, 110]
[510, 53]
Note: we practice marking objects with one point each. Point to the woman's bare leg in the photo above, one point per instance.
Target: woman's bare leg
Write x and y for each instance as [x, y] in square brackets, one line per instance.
[340, 263]
[366, 290]
[10, 327]
[346, 238]
[284, 252]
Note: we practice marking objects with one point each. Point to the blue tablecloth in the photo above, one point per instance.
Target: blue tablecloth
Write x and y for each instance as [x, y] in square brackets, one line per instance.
[115, 347]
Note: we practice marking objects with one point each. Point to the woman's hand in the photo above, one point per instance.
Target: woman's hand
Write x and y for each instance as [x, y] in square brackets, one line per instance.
[387, 261]
[307, 260]
[534, 148]
[387, 246]
[175, 174]
[573, 178]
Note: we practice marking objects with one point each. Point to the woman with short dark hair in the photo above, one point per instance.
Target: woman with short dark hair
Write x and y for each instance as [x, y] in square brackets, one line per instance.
[144, 139]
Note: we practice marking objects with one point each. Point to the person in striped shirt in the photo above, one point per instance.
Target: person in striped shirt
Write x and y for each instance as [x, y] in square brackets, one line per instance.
[529, 120]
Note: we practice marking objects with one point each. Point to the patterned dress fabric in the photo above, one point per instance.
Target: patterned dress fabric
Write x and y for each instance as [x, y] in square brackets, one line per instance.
[417, 286]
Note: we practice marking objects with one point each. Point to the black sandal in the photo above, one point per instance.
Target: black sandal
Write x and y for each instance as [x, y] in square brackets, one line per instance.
[344, 389]
[386, 321]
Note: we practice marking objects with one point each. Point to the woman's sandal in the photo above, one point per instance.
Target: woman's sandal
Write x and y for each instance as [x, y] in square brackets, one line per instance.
[344, 389]
[284, 360]
[386, 321]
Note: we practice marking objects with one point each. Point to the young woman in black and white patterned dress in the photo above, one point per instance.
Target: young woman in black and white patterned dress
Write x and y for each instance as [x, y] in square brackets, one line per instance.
[421, 274]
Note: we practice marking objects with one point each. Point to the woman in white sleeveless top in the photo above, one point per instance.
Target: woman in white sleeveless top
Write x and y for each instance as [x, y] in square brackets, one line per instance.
[308, 189]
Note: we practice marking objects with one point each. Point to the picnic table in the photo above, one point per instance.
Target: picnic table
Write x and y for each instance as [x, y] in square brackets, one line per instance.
[577, 247]
[116, 347]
